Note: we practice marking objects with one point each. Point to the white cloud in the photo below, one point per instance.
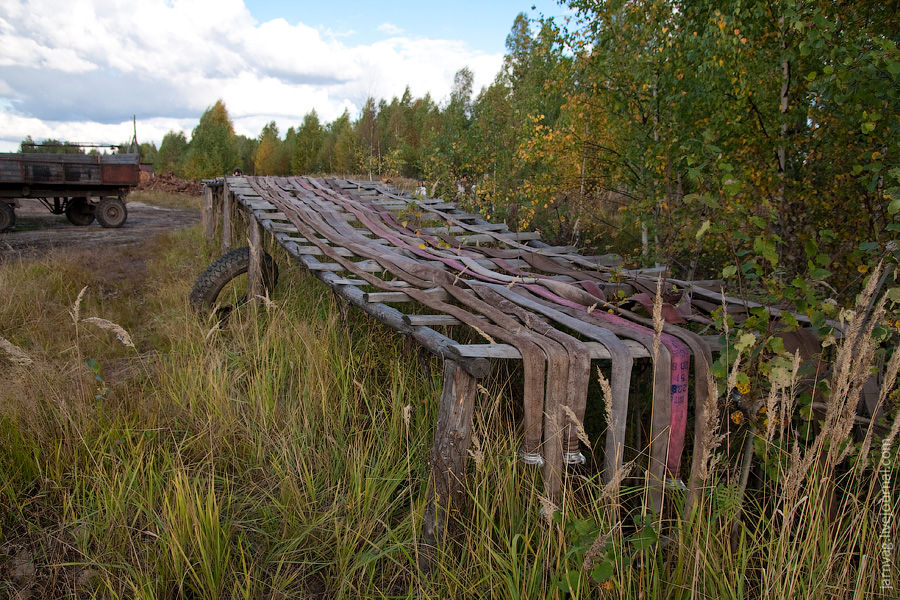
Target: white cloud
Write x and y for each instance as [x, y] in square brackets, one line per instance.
[15, 129]
[78, 69]
[390, 29]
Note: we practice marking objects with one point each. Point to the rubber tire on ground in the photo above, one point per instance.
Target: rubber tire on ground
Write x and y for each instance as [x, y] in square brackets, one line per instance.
[227, 267]
[7, 216]
[111, 212]
[80, 212]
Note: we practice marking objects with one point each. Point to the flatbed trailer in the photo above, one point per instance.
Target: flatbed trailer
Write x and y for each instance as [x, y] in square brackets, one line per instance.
[81, 186]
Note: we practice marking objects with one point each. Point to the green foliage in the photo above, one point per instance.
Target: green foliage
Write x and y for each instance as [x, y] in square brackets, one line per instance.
[306, 146]
[213, 150]
[273, 156]
[171, 154]
[687, 103]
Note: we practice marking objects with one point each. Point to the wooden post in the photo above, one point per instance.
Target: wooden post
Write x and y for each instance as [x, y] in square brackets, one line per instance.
[448, 459]
[255, 287]
[209, 224]
[226, 219]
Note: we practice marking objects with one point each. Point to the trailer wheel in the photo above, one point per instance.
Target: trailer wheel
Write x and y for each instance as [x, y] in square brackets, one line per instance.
[111, 212]
[223, 286]
[7, 216]
[80, 212]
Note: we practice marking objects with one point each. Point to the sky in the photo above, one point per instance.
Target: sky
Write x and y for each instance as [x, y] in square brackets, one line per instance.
[78, 70]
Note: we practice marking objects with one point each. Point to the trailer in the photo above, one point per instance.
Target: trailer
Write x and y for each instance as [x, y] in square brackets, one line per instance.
[83, 187]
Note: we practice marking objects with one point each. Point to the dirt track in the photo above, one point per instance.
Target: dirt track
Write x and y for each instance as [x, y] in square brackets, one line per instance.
[37, 231]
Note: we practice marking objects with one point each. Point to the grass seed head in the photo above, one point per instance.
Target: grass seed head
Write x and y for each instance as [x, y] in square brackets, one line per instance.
[15, 354]
[579, 426]
[120, 332]
[76, 309]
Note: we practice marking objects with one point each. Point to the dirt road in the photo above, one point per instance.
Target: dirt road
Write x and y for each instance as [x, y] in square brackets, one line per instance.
[37, 231]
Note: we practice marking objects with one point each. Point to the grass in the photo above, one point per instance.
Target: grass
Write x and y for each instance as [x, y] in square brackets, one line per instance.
[272, 459]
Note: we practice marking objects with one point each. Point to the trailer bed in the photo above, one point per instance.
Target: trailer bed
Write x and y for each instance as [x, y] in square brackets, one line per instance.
[56, 175]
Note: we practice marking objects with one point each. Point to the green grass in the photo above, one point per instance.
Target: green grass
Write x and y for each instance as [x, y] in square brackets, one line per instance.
[271, 459]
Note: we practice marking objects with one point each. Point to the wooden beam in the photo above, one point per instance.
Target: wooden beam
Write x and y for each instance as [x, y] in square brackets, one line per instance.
[452, 435]
[226, 219]
[436, 293]
[507, 352]
[209, 223]
[255, 287]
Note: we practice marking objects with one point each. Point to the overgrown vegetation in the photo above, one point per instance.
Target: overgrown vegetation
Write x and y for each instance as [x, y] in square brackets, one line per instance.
[285, 455]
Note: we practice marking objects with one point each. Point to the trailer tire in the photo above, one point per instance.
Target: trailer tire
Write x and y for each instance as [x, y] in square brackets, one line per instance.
[213, 280]
[111, 212]
[7, 216]
[80, 212]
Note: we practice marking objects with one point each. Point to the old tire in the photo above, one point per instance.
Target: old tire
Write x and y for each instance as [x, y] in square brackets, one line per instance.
[111, 212]
[7, 216]
[80, 212]
[209, 285]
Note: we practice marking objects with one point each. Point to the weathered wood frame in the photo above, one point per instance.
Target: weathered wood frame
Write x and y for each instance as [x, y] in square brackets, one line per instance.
[463, 363]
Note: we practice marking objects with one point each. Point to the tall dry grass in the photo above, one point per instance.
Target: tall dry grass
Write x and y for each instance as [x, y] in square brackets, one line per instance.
[285, 456]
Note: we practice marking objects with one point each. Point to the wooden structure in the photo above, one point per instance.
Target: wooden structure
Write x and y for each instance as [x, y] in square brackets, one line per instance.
[546, 306]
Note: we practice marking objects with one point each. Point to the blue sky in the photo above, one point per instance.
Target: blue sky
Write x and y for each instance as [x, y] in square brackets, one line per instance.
[78, 71]
[483, 25]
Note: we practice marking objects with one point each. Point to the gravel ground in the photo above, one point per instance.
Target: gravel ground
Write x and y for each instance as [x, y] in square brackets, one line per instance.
[37, 231]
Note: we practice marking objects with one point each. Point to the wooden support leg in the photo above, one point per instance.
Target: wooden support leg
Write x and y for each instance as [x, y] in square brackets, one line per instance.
[255, 287]
[661, 417]
[226, 220]
[218, 200]
[448, 459]
[209, 224]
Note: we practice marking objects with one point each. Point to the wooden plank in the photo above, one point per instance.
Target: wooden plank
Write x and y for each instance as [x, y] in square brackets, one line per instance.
[521, 236]
[436, 293]
[475, 238]
[464, 216]
[647, 271]
[557, 249]
[424, 217]
[271, 216]
[365, 265]
[316, 251]
[283, 228]
[505, 351]
[283, 237]
[437, 230]
[604, 260]
[359, 282]
[259, 204]
[492, 227]
[431, 320]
